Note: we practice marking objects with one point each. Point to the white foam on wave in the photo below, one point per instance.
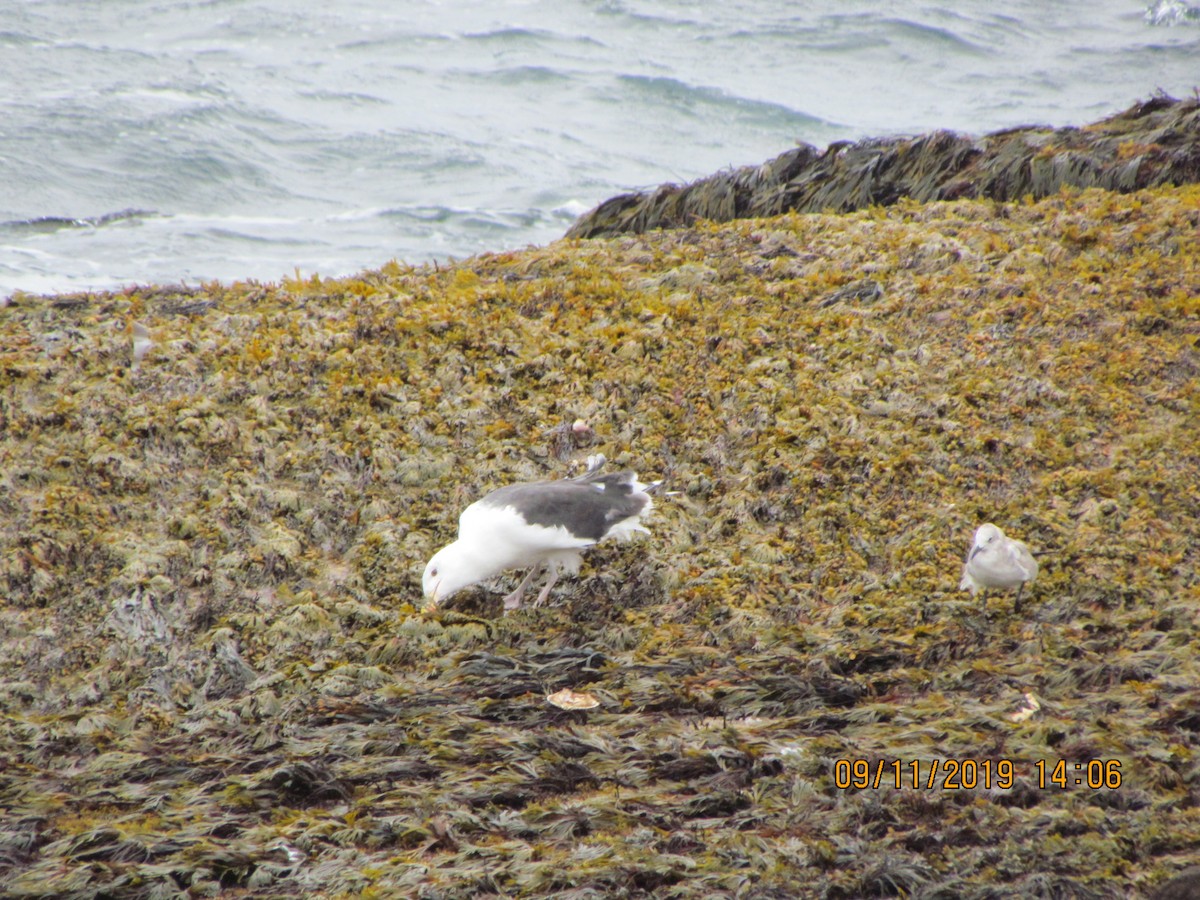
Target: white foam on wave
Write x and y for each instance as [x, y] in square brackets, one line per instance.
[1171, 13]
[572, 209]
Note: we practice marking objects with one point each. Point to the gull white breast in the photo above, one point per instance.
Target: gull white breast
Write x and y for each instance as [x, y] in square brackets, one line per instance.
[540, 524]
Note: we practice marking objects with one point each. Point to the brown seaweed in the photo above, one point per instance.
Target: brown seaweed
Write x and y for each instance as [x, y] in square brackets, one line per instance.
[216, 674]
[1152, 143]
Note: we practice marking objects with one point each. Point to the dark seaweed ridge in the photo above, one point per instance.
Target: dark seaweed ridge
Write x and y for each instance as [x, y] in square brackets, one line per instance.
[1152, 143]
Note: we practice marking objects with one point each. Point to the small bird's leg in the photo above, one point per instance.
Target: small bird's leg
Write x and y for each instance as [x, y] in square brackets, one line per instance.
[513, 600]
[541, 598]
[1017, 602]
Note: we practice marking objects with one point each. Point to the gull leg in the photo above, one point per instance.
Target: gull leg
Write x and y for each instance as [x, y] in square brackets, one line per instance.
[541, 598]
[983, 604]
[513, 600]
[1017, 602]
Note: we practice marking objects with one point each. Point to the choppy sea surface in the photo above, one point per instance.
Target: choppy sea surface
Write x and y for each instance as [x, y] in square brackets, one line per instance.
[183, 141]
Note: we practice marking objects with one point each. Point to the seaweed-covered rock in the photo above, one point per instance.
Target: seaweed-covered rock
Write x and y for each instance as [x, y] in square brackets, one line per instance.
[1152, 143]
[216, 676]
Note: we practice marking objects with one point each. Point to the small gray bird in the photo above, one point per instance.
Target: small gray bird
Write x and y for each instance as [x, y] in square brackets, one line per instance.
[996, 561]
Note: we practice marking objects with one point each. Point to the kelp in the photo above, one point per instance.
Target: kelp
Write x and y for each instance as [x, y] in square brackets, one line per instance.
[1155, 142]
[217, 675]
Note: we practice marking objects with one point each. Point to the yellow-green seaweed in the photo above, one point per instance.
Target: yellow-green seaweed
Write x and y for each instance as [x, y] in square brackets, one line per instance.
[216, 673]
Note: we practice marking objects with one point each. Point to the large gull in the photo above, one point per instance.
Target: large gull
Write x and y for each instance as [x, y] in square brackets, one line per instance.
[997, 561]
[544, 523]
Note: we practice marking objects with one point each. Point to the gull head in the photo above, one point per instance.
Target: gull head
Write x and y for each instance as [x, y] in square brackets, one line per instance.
[448, 572]
[987, 534]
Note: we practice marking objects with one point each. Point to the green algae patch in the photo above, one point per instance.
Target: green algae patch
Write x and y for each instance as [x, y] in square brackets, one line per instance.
[216, 672]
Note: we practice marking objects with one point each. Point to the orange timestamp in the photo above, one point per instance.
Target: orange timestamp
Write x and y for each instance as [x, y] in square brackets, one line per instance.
[969, 774]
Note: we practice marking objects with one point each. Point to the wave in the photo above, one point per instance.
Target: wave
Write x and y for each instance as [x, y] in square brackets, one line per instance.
[679, 94]
[916, 32]
[16, 38]
[49, 224]
[520, 75]
[650, 18]
[518, 35]
[509, 34]
[1172, 12]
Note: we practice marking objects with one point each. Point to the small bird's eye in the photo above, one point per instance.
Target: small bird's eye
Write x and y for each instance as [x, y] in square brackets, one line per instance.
[433, 572]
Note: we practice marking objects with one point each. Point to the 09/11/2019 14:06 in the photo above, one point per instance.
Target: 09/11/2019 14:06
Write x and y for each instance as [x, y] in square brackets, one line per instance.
[968, 774]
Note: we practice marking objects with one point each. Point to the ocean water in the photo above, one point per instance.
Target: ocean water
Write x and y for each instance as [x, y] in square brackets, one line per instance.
[183, 141]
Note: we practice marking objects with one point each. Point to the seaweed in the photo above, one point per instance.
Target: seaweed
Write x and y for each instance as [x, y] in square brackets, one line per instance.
[216, 673]
[1152, 143]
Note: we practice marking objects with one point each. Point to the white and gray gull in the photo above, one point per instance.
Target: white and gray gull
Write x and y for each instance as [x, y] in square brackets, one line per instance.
[998, 561]
[543, 523]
